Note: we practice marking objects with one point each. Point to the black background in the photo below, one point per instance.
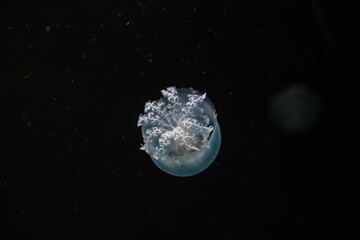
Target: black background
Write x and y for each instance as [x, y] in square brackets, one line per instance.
[75, 76]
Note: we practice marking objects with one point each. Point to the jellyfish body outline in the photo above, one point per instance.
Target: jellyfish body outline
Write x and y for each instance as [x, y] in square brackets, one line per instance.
[180, 131]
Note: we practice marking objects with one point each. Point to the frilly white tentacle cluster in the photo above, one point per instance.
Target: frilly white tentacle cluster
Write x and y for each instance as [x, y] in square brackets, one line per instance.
[175, 125]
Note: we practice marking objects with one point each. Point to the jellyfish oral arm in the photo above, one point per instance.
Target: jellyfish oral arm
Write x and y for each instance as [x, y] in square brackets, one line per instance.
[180, 133]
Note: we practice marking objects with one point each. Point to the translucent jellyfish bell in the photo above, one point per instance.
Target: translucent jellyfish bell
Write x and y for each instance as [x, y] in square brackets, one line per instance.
[180, 131]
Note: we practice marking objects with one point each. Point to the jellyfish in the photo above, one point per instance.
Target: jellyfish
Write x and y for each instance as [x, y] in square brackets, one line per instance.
[180, 131]
[295, 109]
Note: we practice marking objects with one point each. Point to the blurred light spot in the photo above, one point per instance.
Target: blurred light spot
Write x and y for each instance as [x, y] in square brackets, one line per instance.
[295, 109]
